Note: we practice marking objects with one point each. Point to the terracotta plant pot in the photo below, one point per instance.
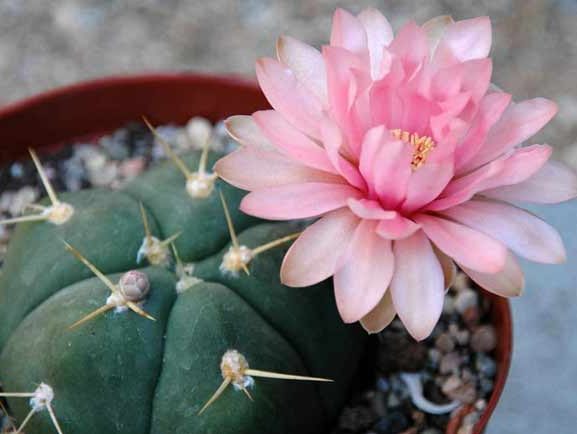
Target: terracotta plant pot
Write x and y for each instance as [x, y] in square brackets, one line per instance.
[93, 108]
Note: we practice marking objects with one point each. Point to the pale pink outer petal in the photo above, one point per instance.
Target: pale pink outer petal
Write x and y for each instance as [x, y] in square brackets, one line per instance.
[417, 287]
[315, 254]
[518, 123]
[379, 35]
[381, 315]
[521, 231]
[365, 276]
[297, 201]
[307, 63]
[370, 209]
[513, 169]
[397, 228]
[520, 166]
[554, 182]
[290, 141]
[468, 39]
[348, 32]
[252, 168]
[244, 130]
[466, 246]
[287, 95]
[508, 282]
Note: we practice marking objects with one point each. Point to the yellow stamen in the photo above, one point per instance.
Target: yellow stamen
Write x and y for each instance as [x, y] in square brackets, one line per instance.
[422, 146]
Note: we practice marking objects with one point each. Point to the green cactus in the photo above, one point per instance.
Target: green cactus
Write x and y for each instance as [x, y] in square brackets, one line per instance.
[123, 373]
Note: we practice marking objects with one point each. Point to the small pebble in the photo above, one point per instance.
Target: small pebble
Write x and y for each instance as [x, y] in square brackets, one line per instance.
[480, 405]
[198, 131]
[471, 418]
[486, 366]
[418, 417]
[471, 317]
[465, 299]
[450, 363]
[20, 201]
[383, 385]
[451, 384]
[445, 343]
[466, 429]
[434, 357]
[461, 281]
[467, 393]
[484, 339]
[486, 386]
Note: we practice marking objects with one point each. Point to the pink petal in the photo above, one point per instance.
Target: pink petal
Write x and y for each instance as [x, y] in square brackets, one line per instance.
[369, 209]
[490, 110]
[307, 64]
[333, 141]
[285, 94]
[381, 315]
[524, 233]
[412, 47]
[520, 166]
[386, 166]
[314, 256]
[397, 228]
[467, 39]
[244, 130]
[477, 77]
[462, 189]
[251, 168]
[290, 141]
[553, 183]
[363, 279]
[417, 285]
[516, 168]
[379, 35]
[518, 123]
[466, 246]
[343, 89]
[296, 201]
[348, 32]
[426, 184]
[508, 282]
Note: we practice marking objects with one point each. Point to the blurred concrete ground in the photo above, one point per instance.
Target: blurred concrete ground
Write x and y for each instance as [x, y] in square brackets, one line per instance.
[49, 43]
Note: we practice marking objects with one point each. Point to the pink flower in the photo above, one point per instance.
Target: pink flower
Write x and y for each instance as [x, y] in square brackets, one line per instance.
[409, 157]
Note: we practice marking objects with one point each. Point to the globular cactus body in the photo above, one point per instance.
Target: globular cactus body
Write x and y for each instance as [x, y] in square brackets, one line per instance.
[122, 373]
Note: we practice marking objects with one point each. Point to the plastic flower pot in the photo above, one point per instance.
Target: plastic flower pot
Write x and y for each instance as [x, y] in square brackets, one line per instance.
[90, 109]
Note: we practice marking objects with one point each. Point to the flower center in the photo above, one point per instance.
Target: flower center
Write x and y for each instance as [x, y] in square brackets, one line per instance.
[422, 145]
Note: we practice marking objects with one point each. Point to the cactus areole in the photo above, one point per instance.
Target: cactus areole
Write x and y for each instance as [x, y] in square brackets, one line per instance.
[138, 349]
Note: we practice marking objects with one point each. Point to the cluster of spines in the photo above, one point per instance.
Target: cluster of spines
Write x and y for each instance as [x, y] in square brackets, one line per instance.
[199, 184]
